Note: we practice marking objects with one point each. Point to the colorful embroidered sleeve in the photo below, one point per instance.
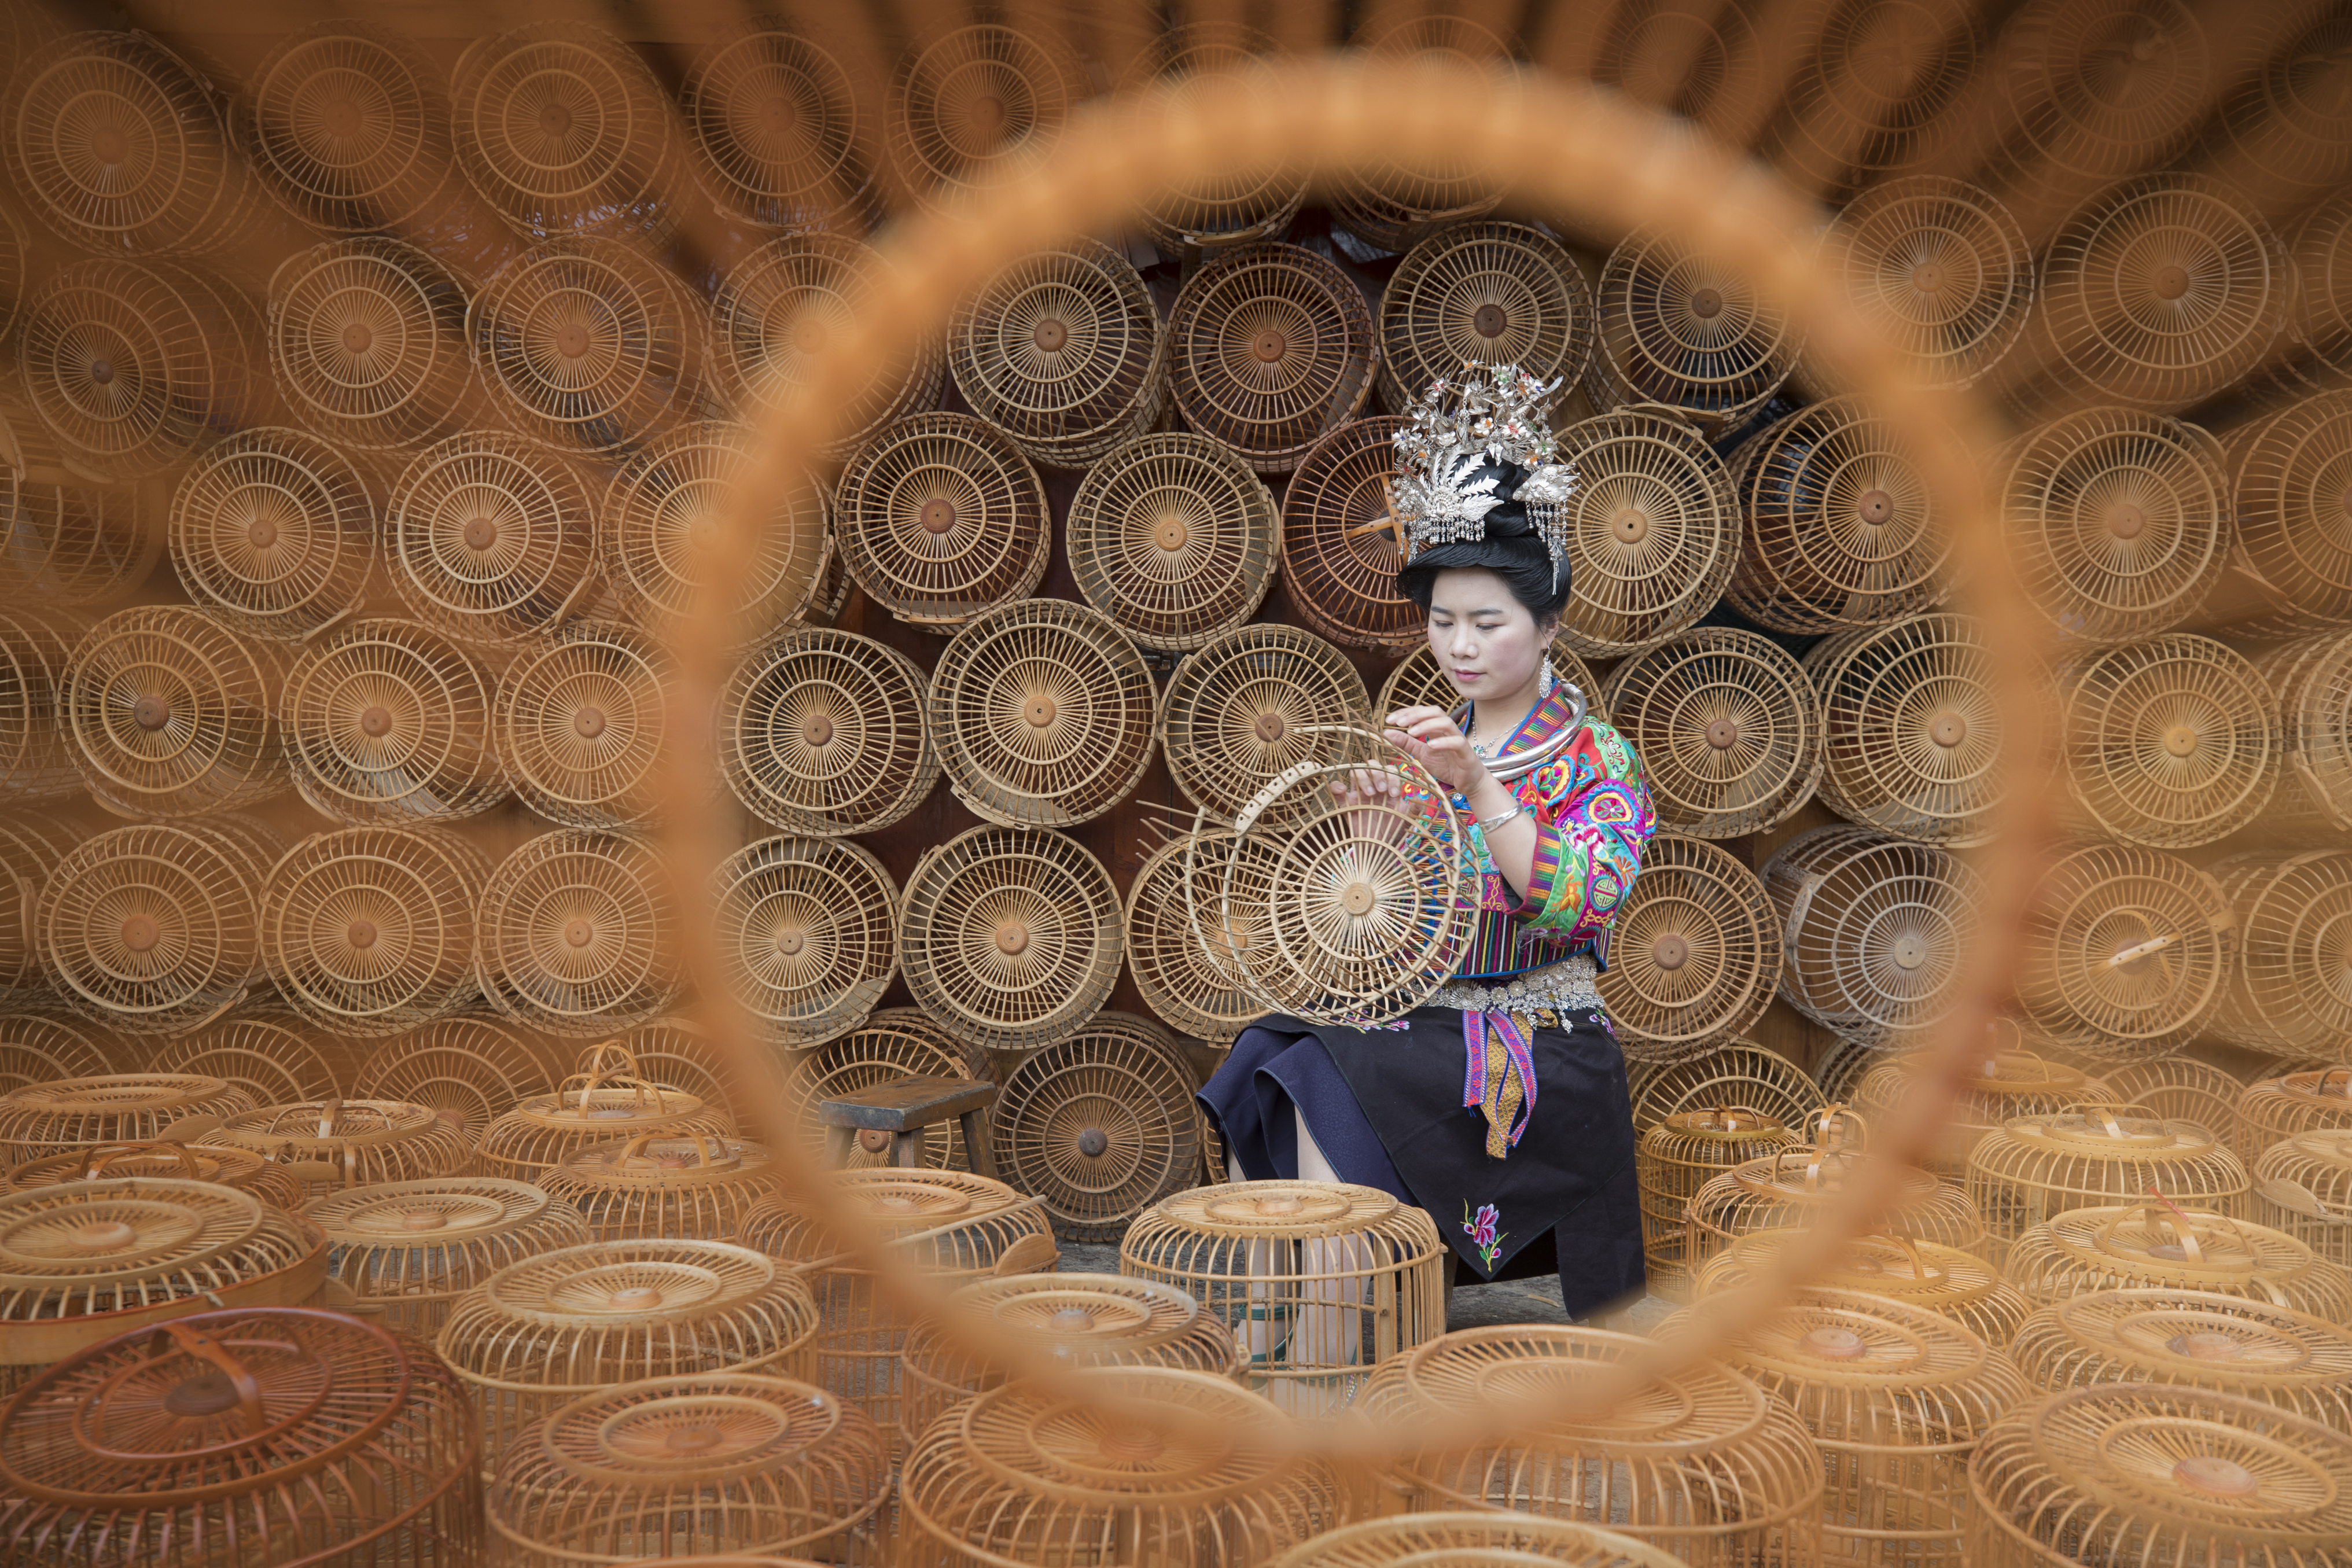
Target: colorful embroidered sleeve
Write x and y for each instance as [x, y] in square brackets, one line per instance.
[1594, 814]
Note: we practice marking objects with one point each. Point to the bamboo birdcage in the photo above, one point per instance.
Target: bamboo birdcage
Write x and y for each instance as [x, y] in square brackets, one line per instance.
[169, 1161]
[467, 1071]
[64, 1114]
[674, 1052]
[1839, 1067]
[686, 1185]
[173, 714]
[1868, 99]
[951, 1224]
[1320, 1281]
[1899, 1398]
[389, 721]
[577, 932]
[1250, 704]
[37, 764]
[297, 1436]
[1172, 1466]
[1676, 1157]
[347, 124]
[2292, 576]
[2161, 1475]
[2321, 357]
[2178, 1088]
[1207, 211]
[1063, 350]
[2037, 1167]
[36, 1048]
[2275, 1109]
[2288, 991]
[1418, 681]
[2152, 1246]
[1174, 538]
[1940, 267]
[564, 1325]
[1873, 930]
[941, 519]
[2303, 1187]
[1727, 727]
[405, 1251]
[1271, 350]
[808, 936]
[1080, 1320]
[1682, 329]
[1394, 203]
[370, 930]
[1482, 293]
[1794, 1187]
[781, 140]
[1466, 1538]
[271, 1063]
[1686, 56]
[2312, 679]
[719, 1464]
[1182, 984]
[1009, 938]
[332, 1145]
[73, 540]
[483, 538]
[898, 1042]
[580, 721]
[2171, 742]
[1924, 1275]
[367, 338]
[32, 843]
[975, 107]
[826, 732]
[587, 1110]
[273, 533]
[2118, 523]
[2290, 130]
[2003, 1084]
[1700, 1464]
[1098, 1126]
[2253, 1350]
[780, 307]
[2127, 950]
[1741, 1073]
[563, 130]
[1653, 532]
[88, 1261]
[1042, 711]
[2074, 113]
[1341, 545]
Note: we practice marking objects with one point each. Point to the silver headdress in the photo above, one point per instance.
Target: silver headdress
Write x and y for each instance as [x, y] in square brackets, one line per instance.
[1492, 416]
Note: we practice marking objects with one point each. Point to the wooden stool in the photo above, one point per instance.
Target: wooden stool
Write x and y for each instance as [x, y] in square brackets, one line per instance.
[900, 1110]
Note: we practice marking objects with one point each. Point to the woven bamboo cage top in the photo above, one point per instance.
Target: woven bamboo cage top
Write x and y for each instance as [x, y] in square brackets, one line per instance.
[1063, 352]
[949, 1223]
[898, 1042]
[2171, 1474]
[581, 719]
[940, 519]
[825, 732]
[31, 844]
[1692, 962]
[1341, 547]
[808, 928]
[273, 531]
[2279, 1108]
[38, 1048]
[1010, 939]
[2127, 950]
[722, 1464]
[776, 310]
[1080, 1320]
[2311, 679]
[1677, 1157]
[1251, 703]
[285, 1431]
[589, 1109]
[1272, 349]
[1842, 530]
[1940, 268]
[1741, 1073]
[1184, 1463]
[2289, 992]
[2118, 522]
[347, 125]
[406, 1250]
[1174, 538]
[173, 714]
[1793, 1187]
[781, 140]
[370, 930]
[389, 721]
[1482, 293]
[176, 363]
[675, 1052]
[2286, 482]
[64, 1114]
[563, 130]
[1213, 210]
[273, 1064]
[1461, 1540]
[577, 934]
[330, 1145]
[239, 1168]
[1873, 930]
[1042, 711]
[367, 342]
[1100, 1126]
[1416, 681]
[2178, 1088]
[89, 1260]
[2051, 55]
[1698, 1464]
[2150, 1246]
[1682, 329]
[1925, 1274]
[36, 747]
[1727, 727]
[2033, 1168]
[469, 1070]
[484, 541]
[2004, 1084]
[2170, 743]
[2226, 1343]
[1179, 980]
[1396, 202]
[1653, 532]
[978, 105]
[658, 1185]
[2307, 1177]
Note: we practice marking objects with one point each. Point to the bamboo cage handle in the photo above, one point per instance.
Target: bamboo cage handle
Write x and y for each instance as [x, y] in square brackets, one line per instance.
[2325, 1073]
[1719, 1112]
[1850, 1126]
[605, 1056]
[329, 1112]
[1921, 1269]
[2106, 1110]
[204, 1348]
[2162, 1211]
[106, 1155]
[705, 1146]
[590, 1082]
[2138, 950]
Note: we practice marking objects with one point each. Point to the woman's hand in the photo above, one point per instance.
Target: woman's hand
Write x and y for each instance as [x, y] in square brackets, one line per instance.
[1430, 735]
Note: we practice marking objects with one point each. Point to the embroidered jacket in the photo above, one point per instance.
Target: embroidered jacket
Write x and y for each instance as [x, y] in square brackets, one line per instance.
[1592, 816]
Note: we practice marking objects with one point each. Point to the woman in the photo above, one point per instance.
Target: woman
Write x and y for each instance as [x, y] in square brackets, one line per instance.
[1441, 1108]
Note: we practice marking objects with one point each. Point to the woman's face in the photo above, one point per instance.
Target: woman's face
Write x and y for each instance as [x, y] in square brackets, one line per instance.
[1485, 641]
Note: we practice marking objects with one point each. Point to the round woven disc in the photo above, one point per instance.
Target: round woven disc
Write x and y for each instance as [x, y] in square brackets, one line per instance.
[2289, 478]
[1100, 1126]
[367, 343]
[1682, 329]
[1728, 729]
[1063, 352]
[827, 733]
[576, 934]
[370, 930]
[1875, 95]
[154, 930]
[173, 714]
[1692, 959]
[976, 106]
[1482, 293]
[348, 125]
[1194, 989]
[1256, 701]
[1272, 348]
[390, 721]
[485, 539]
[1213, 209]
[777, 127]
[941, 520]
[1173, 538]
[1341, 543]
[1873, 931]
[1652, 534]
[2126, 950]
[808, 935]
[274, 534]
[2170, 743]
[1915, 743]
[581, 718]
[1940, 268]
[1009, 938]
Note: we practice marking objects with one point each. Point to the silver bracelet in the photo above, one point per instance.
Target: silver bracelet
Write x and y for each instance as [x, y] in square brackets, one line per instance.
[1501, 819]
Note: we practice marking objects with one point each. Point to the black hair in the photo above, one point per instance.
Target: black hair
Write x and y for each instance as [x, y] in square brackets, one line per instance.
[1512, 549]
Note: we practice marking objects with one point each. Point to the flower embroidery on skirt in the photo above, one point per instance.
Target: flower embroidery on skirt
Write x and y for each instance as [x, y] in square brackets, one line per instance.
[1481, 1231]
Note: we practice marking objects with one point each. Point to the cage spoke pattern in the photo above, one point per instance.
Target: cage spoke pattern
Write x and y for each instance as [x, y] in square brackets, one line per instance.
[1653, 532]
[1273, 349]
[370, 930]
[2312, 679]
[2099, 89]
[2170, 743]
[898, 1042]
[1680, 329]
[2275, 1109]
[824, 733]
[248, 1173]
[1926, 1274]
[1741, 1073]
[1868, 99]
[1914, 741]
[1696, 59]
[2289, 479]
[2149, 1245]
[38, 1048]
[941, 520]
[71, 541]
[64, 1115]
[576, 934]
[31, 844]
[690, 1184]
[1189, 990]
[779, 139]
[2118, 523]
[1063, 353]
[467, 1071]
[2038, 1167]
[1482, 293]
[2250, 1349]
[808, 935]
[563, 130]
[408, 1250]
[2290, 990]
[367, 342]
[779, 308]
[592, 1109]
[2303, 1187]
[1342, 544]
[1042, 711]
[332, 1145]
[1009, 938]
[1100, 1126]
[157, 929]
[2126, 951]
[1938, 266]
[271, 1063]
[484, 538]
[1213, 209]
[1417, 682]
[581, 719]
[173, 714]
[389, 721]
[347, 124]
[1728, 728]
[2319, 358]
[1175, 539]
[274, 534]
[2176, 1089]
[1395, 202]
[674, 1052]
[1873, 930]
[978, 106]
[35, 746]
[2006, 1085]
[1694, 958]
[1676, 1157]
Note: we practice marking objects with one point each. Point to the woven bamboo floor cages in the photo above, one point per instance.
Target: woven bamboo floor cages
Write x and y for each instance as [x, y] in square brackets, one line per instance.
[55, 1116]
[2006, 1084]
[2036, 1167]
[589, 1109]
[1794, 1186]
[1100, 1126]
[2278, 1108]
[2148, 1246]
[1678, 1156]
[239, 1168]
[1742, 1073]
[273, 1063]
[2177, 1088]
[471, 1071]
[1468, 1537]
[334, 1145]
[2247, 1349]
[405, 1251]
[655, 1185]
[1925, 1275]
[2303, 1187]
